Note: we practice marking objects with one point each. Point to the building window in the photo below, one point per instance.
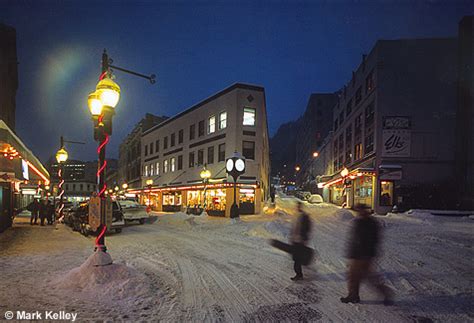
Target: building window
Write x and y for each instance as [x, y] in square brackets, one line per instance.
[180, 136]
[369, 115]
[191, 159]
[358, 96]
[165, 143]
[358, 151]
[341, 117]
[157, 145]
[248, 149]
[151, 148]
[349, 107]
[146, 170]
[201, 128]
[81, 187]
[221, 153]
[180, 162]
[192, 131]
[358, 124]
[200, 157]
[73, 187]
[146, 150]
[249, 117]
[173, 139]
[157, 168]
[165, 166]
[336, 123]
[212, 125]
[67, 187]
[369, 143]
[173, 164]
[369, 82]
[223, 120]
[88, 187]
[152, 169]
[210, 155]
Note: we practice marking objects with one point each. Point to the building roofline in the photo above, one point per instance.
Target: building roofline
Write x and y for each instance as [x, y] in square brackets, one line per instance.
[203, 102]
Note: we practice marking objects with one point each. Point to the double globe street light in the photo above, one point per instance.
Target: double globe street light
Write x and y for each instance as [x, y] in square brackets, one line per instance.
[235, 166]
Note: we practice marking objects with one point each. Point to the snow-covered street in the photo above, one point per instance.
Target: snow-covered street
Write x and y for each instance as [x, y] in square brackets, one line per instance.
[186, 268]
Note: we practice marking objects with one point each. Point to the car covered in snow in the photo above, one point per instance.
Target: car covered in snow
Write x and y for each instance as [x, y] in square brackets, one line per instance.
[132, 211]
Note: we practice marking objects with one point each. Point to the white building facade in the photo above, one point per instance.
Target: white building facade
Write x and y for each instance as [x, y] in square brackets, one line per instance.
[174, 153]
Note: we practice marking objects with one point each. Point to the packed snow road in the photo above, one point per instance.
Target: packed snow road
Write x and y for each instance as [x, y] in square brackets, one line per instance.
[186, 268]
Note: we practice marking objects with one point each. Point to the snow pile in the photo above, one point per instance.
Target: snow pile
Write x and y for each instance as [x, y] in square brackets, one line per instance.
[344, 215]
[114, 281]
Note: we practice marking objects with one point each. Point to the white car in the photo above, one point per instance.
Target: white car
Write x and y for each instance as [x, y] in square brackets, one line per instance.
[132, 211]
[315, 199]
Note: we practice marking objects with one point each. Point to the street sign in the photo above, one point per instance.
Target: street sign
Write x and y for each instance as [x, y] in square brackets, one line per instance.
[94, 213]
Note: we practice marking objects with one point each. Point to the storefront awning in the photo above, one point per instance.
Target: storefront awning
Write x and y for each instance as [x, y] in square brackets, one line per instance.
[14, 150]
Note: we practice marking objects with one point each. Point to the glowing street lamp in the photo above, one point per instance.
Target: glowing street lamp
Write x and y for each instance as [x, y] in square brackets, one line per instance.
[344, 172]
[124, 186]
[297, 168]
[315, 154]
[102, 103]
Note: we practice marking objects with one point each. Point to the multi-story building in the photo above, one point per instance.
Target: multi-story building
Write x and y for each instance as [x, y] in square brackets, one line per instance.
[465, 114]
[8, 75]
[129, 163]
[394, 126]
[175, 152]
[315, 126]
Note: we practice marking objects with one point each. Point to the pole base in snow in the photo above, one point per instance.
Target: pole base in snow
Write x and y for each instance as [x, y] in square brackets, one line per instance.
[101, 258]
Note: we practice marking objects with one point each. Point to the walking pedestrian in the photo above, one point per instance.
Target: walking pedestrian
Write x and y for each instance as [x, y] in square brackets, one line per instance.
[43, 211]
[361, 252]
[300, 233]
[49, 212]
[34, 207]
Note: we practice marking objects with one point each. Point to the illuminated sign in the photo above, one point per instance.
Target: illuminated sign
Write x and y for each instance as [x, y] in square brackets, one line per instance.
[24, 167]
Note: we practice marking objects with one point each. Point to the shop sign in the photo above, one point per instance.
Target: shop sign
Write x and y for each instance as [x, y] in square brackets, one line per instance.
[396, 136]
[390, 174]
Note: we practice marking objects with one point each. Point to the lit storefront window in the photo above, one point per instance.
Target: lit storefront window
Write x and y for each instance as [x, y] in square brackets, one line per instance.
[247, 201]
[386, 193]
[172, 202]
[215, 204]
[363, 190]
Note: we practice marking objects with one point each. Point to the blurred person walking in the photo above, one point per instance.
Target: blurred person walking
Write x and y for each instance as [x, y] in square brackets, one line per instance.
[43, 211]
[34, 208]
[361, 252]
[300, 233]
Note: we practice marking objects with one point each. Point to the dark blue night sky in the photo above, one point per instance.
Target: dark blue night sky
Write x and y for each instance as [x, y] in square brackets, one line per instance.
[195, 48]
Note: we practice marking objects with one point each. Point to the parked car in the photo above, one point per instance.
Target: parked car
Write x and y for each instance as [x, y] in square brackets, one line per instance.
[132, 211]
[303, 195]
[78, 219]
[315, 199]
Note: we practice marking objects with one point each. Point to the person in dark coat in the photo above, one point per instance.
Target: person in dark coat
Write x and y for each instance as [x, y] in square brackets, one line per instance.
[361, 252]
[34, 208]
[43, 211]
[49, 212]
[298, 239]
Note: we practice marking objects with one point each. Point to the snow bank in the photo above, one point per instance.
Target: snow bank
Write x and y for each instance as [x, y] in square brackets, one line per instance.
[113, 282]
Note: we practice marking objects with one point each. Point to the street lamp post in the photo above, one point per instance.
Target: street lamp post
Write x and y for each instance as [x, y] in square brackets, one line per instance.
[205, 175]
[344, 173]
[61, 158]
[149, 184]
[102, 103]
[235, 166]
